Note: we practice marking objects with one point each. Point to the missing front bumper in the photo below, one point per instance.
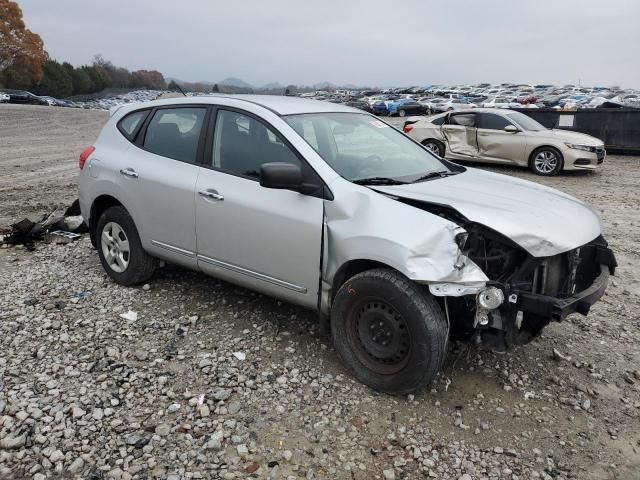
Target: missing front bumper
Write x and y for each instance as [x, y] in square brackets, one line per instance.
[558, 308]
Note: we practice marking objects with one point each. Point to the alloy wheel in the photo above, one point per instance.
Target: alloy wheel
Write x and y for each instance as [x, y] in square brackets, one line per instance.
[115, 247]
[433, 147]
[545, 161]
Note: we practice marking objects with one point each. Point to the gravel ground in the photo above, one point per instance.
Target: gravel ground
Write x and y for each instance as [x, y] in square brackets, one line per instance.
[215, 381]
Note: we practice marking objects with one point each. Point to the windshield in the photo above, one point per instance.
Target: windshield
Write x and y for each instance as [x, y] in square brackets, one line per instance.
[359, 146]
[525, 122]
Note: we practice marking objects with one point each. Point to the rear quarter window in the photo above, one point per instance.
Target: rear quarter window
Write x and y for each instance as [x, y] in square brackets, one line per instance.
[129, 125]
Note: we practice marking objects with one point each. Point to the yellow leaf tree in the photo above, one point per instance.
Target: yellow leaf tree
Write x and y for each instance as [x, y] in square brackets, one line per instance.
[22, 52]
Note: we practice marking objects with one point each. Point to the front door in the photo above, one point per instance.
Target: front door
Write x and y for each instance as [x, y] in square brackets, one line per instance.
[266, 239]
[460, 132]
[497, 145]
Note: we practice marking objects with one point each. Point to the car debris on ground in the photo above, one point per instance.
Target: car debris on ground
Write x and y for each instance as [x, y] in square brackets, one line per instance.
[59, 226]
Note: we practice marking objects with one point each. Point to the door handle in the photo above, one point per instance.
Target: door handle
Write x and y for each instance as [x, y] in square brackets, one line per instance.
[211, 193]
[483, 134]
[128, 172]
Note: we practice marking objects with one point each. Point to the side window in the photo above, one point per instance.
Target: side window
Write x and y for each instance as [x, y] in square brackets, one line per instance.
[130, 123]
[175, 132]
[464, 119]
[492, 121]
[439, 121]
[241, 144]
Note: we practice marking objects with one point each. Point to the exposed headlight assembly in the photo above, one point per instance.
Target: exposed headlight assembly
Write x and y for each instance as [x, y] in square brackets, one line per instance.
[487, 300]
[490, 298]
[577, 146]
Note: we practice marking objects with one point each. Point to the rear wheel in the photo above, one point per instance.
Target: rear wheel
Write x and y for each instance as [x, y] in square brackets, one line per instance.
[546, 161]
[402, 113]
[389, 331]
[120, 250]
[434, 146]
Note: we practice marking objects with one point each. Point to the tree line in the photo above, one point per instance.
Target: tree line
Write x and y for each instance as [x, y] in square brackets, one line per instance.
[25, 65]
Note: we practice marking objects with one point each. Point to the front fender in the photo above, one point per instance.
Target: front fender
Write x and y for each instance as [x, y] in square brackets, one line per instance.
[363, 224]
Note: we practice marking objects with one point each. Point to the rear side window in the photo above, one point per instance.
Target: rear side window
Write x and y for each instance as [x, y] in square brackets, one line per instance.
[464, 119]
[175, 133]
[128, 126]
[492, 121]
[438, 121]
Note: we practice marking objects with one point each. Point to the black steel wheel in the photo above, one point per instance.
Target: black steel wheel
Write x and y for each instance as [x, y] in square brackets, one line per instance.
[389, 331]
[379, 334]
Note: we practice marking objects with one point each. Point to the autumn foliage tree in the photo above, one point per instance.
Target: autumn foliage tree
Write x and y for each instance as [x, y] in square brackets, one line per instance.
[22, 54]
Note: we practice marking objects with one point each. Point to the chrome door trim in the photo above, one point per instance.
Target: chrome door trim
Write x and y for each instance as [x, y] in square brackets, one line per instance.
[251, 273]
[173, 249]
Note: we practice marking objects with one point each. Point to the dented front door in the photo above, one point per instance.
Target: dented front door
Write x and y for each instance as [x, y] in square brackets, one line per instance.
[495, 144]
[460, 134]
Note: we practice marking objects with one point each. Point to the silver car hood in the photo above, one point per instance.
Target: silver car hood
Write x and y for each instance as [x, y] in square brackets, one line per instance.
[541, 220]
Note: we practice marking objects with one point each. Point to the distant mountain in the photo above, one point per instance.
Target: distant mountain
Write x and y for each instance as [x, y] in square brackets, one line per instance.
[272, 86]
[234, 82]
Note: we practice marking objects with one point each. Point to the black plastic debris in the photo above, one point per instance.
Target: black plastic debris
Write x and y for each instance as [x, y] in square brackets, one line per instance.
[59, 226]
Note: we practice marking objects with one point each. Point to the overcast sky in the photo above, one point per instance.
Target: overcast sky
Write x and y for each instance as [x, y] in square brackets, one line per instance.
[371, 42]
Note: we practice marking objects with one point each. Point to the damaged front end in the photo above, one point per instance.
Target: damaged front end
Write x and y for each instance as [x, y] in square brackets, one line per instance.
[524, 293]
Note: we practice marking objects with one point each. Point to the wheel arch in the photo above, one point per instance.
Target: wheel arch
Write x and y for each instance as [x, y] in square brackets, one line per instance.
[343, 273]
[98, 207]
[354, 267]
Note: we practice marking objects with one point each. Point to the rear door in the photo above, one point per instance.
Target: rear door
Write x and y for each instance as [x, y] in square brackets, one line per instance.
[266, 239]
[159, 173]
[460, 133]
[497, 145]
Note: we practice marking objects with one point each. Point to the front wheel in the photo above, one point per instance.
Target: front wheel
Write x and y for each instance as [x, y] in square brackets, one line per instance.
[402, 113]
[389, 331]
[546, 161]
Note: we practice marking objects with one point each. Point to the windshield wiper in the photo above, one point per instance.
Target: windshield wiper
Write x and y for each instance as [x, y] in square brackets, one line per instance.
[430, 175]
[378, 181]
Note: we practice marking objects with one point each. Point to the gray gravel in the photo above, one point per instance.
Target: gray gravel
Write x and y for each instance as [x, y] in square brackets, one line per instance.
[214, 381]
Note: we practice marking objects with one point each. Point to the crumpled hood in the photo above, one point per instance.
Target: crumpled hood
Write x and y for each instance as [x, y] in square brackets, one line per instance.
[568, 136]
[541, 220]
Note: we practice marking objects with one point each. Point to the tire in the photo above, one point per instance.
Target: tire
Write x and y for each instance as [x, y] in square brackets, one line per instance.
[389, 331]
[402, 113]
[115, 232]
[435, 146]
[546, 161]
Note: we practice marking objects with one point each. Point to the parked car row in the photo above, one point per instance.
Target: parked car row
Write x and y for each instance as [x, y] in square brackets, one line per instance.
[27, 98]
[438, 98]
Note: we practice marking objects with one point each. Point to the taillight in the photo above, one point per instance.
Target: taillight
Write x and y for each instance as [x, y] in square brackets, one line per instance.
[407, 128]
[84, 155]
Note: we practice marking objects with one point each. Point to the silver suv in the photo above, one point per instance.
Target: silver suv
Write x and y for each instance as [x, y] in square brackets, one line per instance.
[332, 209]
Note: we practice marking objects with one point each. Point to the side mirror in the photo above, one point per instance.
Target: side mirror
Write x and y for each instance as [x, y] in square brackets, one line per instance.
[281, 175]
[511, 129]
